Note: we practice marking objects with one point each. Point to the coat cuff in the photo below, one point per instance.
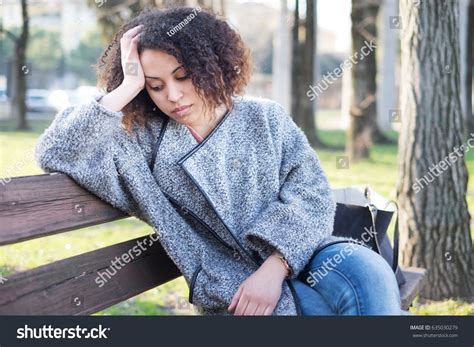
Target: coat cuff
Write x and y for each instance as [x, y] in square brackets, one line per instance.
[263, 243]
[104, 110]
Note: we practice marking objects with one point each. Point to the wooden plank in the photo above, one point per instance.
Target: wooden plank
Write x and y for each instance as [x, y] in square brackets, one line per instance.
[415, 279]
[36, 206]
[70, 286]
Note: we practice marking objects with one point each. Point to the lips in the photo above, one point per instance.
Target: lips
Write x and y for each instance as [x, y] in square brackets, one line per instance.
[180, 108]
[182, 111]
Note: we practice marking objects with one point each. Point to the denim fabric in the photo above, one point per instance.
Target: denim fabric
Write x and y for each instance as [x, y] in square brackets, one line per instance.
[347, 279]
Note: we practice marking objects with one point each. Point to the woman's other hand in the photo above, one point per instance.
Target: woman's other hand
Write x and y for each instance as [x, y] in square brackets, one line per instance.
[134, 77]
[258, 295]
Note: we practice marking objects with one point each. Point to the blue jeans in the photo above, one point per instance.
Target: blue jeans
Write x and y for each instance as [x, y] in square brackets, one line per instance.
[347, 279]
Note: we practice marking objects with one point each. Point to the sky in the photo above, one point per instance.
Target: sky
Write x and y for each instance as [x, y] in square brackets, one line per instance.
[333, 15]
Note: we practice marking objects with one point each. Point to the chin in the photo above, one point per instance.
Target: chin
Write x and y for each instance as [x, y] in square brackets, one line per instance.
[182, 120]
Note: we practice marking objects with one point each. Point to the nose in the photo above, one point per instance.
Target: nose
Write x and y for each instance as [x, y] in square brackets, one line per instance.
[174, 92]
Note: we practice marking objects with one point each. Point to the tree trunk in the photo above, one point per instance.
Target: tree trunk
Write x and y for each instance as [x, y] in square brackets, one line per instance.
[434, 218]
[304, 50]
[466, 66]
[295, 60]
[470, 65]
[363, 110]
[20, 71]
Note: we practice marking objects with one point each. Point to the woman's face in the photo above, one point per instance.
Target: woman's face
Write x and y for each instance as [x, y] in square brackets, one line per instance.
[171, 88]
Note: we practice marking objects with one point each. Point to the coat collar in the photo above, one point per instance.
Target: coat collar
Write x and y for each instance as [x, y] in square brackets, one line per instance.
[208, 138]
[178, 133]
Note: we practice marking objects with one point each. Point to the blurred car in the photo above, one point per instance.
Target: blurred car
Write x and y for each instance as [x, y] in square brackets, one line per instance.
[38, 100]
[82, 94]
[3, 95]
[59, 99]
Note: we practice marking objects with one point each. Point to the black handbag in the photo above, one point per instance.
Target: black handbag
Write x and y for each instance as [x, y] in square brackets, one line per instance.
[365, 216]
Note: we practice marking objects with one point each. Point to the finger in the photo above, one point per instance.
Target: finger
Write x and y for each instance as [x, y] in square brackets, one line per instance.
[133, 46]
[134, 42]
[132, 32]
[129, 43]
[260, 310]
[241, 306]
[235, 299]
[268, 311]
[250, 309]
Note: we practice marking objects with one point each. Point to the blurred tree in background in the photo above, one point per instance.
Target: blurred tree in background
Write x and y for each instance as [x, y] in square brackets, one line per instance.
[304, 33]
[18, 67]
[79, 60]
[363, 130]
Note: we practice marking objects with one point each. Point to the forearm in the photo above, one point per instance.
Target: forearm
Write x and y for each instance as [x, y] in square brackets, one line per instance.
[117, 99]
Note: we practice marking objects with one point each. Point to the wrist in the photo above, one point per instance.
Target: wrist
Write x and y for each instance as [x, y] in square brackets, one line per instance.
[277, 266]
[131, 87]
[121, 96]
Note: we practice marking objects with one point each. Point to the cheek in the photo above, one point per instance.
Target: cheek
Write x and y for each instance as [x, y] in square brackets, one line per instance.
[189, 88]
[157, 98]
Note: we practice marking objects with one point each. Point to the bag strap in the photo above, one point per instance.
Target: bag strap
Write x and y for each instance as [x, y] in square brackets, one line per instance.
[396, 235]
[373, 214]
[396, 239]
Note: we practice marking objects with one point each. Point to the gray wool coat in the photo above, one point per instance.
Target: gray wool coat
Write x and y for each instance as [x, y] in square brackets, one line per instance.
[220, 208]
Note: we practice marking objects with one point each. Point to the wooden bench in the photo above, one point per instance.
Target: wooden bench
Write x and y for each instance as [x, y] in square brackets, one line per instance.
[36, 206]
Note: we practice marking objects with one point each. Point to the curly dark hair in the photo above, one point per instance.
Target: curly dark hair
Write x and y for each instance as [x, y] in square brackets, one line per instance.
[214, 54]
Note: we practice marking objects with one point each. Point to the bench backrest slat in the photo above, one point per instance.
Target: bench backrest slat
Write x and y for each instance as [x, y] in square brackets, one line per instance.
[69, 286]
[37, 206]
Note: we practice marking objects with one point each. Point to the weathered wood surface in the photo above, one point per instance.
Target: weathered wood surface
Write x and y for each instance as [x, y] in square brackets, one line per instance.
[415, 279]
[70, 286]
[37, 206]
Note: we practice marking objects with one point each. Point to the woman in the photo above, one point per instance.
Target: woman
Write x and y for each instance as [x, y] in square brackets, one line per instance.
[230, 184]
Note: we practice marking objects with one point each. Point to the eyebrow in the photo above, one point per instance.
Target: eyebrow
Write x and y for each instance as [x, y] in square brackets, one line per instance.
[172, 72]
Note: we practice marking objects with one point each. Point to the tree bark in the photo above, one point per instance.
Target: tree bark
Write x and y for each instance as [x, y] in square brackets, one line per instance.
[303, 64]
[295, 60]
[466, 66]
[470, 65]
[363, 110]
[433, 218]
[20, 71]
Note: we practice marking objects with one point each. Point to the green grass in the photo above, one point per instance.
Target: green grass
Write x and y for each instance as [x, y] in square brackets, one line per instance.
[380, 172]
[445, 307]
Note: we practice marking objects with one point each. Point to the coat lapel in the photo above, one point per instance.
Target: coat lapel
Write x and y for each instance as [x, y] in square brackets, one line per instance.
[206, 165]
[181, 160]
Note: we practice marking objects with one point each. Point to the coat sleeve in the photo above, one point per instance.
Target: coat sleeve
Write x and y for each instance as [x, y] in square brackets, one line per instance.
[82, 143]
[303, 215]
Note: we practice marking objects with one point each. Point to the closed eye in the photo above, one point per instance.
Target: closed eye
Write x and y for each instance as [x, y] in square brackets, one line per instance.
[160, 88]
[185, 77]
